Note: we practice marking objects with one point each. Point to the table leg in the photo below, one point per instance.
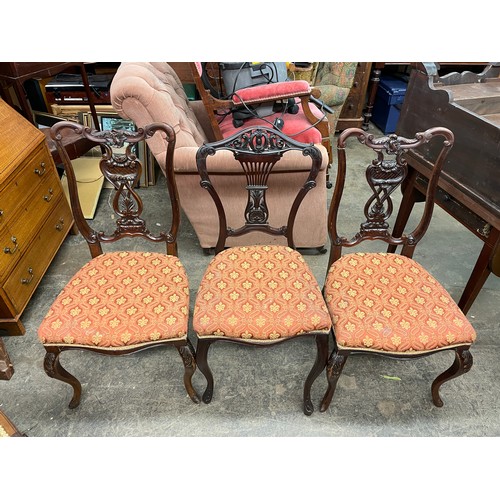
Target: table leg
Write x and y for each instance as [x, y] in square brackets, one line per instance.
[374, 81]
[480, 272]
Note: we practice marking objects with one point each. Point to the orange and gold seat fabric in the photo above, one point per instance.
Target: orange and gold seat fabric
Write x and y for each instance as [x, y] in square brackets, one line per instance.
[259, 293]
[120, 300]
[388, 302]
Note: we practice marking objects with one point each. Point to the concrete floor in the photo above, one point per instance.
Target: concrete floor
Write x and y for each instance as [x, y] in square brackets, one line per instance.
[258, 391]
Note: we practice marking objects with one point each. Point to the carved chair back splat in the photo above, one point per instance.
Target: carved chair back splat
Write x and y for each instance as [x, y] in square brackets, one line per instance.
[120, 301]
[385, 303]
[259, 294]
[257, 151]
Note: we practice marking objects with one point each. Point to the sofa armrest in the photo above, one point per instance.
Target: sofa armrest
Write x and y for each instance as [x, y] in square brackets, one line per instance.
[333, 95]
[200, 111]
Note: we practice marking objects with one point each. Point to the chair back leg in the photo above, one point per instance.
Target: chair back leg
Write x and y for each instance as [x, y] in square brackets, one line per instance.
[186, 351]
[333, 370]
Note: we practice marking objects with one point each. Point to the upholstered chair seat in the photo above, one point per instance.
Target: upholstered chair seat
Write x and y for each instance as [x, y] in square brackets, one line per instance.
[118, 300]
[7, 428]
[388, 302]
[259, 293]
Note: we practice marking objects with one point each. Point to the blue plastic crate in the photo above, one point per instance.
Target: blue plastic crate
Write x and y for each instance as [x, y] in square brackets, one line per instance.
[390, 96]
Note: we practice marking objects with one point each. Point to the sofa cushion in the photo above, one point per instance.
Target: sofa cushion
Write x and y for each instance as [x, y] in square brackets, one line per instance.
[296, 126]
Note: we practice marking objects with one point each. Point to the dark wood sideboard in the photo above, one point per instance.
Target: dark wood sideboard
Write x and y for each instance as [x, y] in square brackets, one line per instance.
[468, 103]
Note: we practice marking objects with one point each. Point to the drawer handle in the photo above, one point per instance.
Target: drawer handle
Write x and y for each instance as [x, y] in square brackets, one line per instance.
[40, 171]
[485, 230]
[60, 224]
[27, 281]
[14, 249]
[49, 196]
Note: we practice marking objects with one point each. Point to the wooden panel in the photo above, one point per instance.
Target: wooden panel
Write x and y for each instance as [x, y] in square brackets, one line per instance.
[471, 173]
[27, 274]
[183, 71]
[16, 69]
[18, 140]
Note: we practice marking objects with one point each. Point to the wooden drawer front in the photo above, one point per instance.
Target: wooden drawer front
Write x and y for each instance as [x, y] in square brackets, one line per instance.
[355, 102]
[17, 234]
[10, 251]
[350, 107]
[32, 266]
[28, 178]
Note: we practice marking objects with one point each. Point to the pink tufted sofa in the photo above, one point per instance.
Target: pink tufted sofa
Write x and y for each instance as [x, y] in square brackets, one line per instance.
[146, 92]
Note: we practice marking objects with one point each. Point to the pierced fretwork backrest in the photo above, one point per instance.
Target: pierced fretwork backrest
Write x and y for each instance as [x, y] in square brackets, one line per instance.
[384, 175]
[257, 150]
[121, 167]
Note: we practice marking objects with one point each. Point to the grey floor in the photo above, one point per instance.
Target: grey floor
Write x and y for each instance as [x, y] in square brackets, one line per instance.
[258, 391]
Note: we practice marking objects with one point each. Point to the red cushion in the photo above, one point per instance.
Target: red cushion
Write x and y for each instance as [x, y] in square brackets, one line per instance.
[295, 126]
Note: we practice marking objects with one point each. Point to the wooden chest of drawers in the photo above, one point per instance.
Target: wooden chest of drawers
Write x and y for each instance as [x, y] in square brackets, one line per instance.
[34, 215]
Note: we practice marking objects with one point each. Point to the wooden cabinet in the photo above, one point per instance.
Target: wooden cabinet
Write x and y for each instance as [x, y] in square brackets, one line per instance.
[352, 111]
[34, 215]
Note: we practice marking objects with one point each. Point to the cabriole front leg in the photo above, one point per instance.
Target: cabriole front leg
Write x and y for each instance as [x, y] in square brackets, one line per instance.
[53, 369]
[202, 362]
[318, 367]
[462, 364]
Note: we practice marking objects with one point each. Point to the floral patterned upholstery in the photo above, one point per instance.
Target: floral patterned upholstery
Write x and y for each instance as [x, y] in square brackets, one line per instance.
[119, 300]
[259, 293]
[7, 428]
[388, 302]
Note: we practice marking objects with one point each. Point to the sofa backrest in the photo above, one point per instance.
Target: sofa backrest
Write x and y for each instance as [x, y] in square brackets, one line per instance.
[147, 92]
